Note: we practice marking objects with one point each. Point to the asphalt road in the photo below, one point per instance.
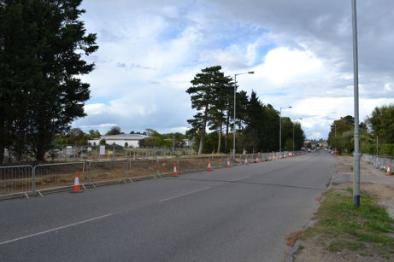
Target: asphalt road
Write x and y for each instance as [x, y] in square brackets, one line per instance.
[233, 214]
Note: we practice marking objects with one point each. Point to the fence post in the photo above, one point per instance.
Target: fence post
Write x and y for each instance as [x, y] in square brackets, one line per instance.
[33, 180]
[157, 165]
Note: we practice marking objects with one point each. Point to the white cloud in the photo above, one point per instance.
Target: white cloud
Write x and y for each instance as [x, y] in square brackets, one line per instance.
[319, 112]
[300, 52]
[283, 65]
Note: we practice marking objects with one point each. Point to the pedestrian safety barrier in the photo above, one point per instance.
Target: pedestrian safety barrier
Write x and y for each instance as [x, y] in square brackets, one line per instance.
[33, 180]
[379, 162]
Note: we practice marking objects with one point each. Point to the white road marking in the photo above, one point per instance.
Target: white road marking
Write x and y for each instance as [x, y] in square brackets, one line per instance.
[54, 229]
[185, 194]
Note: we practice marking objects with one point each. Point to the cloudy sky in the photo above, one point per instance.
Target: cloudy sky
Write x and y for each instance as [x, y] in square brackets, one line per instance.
[301, 52]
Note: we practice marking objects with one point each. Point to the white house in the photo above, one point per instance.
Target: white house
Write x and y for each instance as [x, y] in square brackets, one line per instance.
[125, 140]
[188, 142]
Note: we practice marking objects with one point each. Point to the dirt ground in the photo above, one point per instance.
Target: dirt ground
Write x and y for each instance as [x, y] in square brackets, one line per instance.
[54, 176]
[374, 182]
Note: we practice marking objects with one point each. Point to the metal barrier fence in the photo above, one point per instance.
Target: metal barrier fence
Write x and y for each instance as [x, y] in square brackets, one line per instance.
[379, 162]
[56, 176]
[16, 180]
[25, 180]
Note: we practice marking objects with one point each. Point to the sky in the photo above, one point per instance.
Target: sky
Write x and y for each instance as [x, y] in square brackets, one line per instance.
[301, 52]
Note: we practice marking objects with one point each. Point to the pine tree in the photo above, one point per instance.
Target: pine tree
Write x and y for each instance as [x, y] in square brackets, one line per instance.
[220, 106]
[254, 122]
[44, 46]
[202, 94]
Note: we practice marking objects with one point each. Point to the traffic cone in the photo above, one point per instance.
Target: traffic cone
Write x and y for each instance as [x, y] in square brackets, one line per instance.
[246, 161]
[209, 165]
[76, 186]
[174, 171]
[228, 163]
[388, 171]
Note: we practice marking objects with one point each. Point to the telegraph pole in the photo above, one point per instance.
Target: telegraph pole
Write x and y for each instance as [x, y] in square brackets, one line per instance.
[356, 154]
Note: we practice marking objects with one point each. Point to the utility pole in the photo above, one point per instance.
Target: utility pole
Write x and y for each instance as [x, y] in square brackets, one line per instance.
[280, 130]
[356, 154]
[235, 101]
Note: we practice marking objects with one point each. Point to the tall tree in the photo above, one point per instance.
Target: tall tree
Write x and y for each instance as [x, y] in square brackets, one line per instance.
[299, 136]
[94, 134]
[45, 45]
[254, 122]
[15, 86]
[114, 131]
[341, 134]
[242, 104]
[220, 106]
[382, 123]
[202, 97]
[270, 129]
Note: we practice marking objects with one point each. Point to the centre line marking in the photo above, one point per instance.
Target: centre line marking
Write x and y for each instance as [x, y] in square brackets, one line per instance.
[55, 229]
[185, 194]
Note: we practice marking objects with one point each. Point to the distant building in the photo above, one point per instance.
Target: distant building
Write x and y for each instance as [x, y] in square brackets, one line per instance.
[188, 142]
[124, 140]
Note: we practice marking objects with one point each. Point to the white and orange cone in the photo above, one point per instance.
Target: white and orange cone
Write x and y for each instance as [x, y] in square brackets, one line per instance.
[76, 186]
[388, 171]
[209, 165]
[174, 171]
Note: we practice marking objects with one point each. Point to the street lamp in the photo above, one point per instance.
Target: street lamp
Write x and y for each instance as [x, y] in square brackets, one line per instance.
[280, 127]
[293, 135]
[356, 156]
[235, 101]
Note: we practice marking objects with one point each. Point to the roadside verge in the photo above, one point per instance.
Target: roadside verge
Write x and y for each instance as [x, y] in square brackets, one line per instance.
[338, 231]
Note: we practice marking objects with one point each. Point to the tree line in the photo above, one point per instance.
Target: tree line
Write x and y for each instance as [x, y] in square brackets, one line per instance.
[257, 124]
[154, 139]
[376, 133]
[42, 49]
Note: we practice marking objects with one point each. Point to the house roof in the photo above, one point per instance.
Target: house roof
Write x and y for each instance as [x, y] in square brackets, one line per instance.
[124, 137]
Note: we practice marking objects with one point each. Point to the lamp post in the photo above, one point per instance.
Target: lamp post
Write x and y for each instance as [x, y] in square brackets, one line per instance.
[356, 154]
[280, 127]
[235, 101]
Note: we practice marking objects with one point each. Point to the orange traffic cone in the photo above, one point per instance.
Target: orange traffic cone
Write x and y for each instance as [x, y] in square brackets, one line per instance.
[76, 186]
[174, 172]
[388, 171]
[209, 165]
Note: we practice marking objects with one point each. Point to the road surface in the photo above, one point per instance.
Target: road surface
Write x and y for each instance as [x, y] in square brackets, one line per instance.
[232, 214]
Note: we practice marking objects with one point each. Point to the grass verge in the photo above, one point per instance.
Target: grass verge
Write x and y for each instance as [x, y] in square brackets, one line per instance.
[368, 230]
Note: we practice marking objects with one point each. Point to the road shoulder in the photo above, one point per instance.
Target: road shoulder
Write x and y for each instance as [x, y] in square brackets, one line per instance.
[364, 235]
